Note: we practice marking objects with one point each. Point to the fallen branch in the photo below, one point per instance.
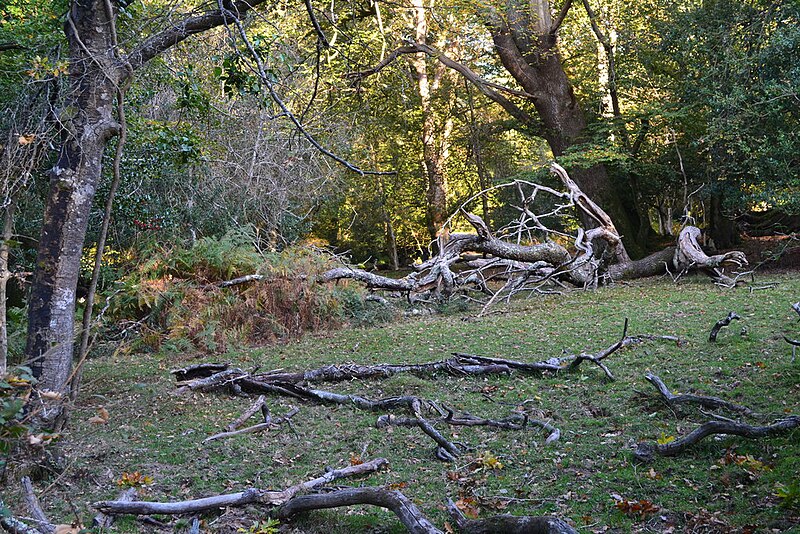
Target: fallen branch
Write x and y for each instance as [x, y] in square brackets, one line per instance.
[266, 425]
[645, 451]
[446, 450]
[200, 370]
[688, 398]
[11, 524]
[250, 496]
[106, 521]
[507, 523]
[43, 524]
[259, 405]
[241, 280]
[392, 500]
[732, 316]
[514, 422]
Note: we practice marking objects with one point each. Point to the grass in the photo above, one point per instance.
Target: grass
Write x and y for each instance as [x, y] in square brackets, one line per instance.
[579, 477]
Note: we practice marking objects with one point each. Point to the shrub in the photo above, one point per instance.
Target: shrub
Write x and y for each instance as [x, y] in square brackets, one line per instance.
[176, 293]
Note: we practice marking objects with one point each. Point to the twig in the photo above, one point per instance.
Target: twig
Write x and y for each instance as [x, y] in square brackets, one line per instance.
[272, 423]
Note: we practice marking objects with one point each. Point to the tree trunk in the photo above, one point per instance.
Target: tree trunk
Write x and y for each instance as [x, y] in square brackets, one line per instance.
[527, 49]
[94, 75]
[435, 138]
[5, 275]
[722, 229]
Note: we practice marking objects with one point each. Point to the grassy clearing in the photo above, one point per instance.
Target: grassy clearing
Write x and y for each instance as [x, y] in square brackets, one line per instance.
[158, 434]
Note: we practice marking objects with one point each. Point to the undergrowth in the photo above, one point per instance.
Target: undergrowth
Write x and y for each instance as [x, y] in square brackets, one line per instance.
[176, 298]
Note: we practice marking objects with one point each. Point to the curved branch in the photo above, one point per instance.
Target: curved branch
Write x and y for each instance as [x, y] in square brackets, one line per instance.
[687, 398]
[646, 450]
[486, 87]
[395, 501]
[180, 31]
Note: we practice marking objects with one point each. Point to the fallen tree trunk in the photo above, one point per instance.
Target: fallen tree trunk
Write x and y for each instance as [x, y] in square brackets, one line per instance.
[645, 451]
[600, 257]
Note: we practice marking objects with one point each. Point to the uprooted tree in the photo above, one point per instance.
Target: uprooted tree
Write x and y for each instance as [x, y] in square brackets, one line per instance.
[536, 252]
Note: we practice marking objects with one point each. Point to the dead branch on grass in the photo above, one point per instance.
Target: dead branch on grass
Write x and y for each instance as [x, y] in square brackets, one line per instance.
[688, 398]
[106, 521]
[268, 423]
[732, 316]
[507, 524]
[645, 451]
[290, 502]
[393, 500]
[249, 496]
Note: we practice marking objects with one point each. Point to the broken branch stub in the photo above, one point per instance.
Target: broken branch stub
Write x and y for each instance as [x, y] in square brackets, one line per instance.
[732, 316]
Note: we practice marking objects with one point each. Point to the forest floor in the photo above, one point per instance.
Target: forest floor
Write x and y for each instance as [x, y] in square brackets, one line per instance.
[587, 477]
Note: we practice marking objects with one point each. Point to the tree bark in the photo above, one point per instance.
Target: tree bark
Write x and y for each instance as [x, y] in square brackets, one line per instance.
[435, 137]
[527, 49]
[95, 73]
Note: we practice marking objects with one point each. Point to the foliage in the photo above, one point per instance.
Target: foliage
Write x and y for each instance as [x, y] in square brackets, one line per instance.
[15, 390]
[176, 291]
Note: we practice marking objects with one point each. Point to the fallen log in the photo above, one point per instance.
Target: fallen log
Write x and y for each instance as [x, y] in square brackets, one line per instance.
[525, 264]
[249, 496]
[645, 451]
[687, 398]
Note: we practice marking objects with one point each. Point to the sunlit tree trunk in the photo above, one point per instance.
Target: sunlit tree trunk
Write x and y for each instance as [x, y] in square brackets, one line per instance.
[525, 34]
[435, 137]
